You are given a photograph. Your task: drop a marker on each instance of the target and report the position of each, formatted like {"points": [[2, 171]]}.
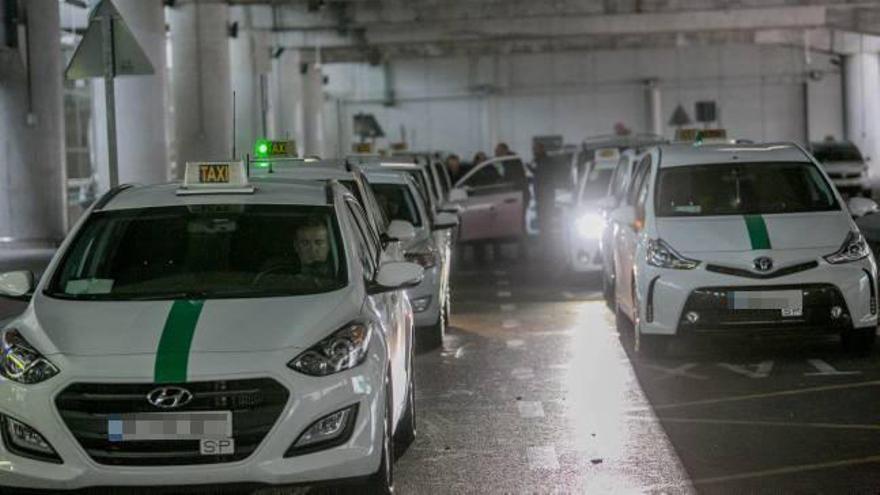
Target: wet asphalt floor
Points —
{"points": [[534, 391]]}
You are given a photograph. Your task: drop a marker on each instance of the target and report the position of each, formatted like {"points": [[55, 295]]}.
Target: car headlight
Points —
{"points": [[343, 350], [21, 362], [589, 225], [854, 248], [662, 255]]}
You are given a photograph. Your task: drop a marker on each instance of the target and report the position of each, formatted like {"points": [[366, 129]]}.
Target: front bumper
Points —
{"points": [[666, 296], [309, 398]]}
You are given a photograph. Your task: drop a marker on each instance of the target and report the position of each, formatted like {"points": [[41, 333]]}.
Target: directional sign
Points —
{"points": [[128, 57], [107, 50]]}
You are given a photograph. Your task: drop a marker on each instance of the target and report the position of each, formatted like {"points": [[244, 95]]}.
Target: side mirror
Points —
{"points": [[17, 285], [625, 215], [401, 230], [396, 275], [859, 207], [458, 195], [444, 221]]}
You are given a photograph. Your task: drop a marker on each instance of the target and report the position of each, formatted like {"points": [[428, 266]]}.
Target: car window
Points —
{"points": [[639, 174], [398, 202], [618, 181], [203, 252], [367, 252], [838, 152], [594, 184], [432, 185], [508, 175], [743, 189]]}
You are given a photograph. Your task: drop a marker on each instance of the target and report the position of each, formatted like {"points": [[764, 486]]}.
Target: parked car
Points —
{"points": [[210, 332], [845, 165]]}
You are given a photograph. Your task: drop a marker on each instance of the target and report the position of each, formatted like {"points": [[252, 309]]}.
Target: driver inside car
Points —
{"points": [[314, 267]]}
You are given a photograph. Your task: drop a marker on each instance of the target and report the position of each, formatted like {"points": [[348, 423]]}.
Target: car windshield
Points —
{"points": [[204, 252], [595, 184], [843, 152], [397, 202], [742, 189]]}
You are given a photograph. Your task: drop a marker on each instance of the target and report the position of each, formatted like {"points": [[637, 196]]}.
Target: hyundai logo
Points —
{"points": [[169, 397], [763, 264]]}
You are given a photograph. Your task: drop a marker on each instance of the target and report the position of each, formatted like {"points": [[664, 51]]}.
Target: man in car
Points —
{"points": [[453, 164], [313, 247], [502, 150]]}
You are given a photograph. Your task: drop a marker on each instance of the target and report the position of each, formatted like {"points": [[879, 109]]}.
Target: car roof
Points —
{"points": [[290, 192], [680, 154], [307, 172]]}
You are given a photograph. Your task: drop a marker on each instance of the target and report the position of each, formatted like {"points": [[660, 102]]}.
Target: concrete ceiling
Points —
{"points": [[377, 30]]}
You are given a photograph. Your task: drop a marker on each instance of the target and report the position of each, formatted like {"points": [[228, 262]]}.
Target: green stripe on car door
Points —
{"points": [[172, 357], [757, 232]]}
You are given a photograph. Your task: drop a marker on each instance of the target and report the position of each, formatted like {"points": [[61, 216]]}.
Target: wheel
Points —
{"points": [[431, 337], [382, 481], [859, 341], [652, 345], [608, 292], [406, 428]]}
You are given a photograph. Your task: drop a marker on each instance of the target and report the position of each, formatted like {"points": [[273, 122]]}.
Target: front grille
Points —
{"points": [[716, 314], [740, 272], [86, 408]]}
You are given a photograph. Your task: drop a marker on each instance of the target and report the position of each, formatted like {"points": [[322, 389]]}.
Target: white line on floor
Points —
{"points": [[511, 323], [523, 373], [515, 343], [825, 369], [543, 457], [503, 283], [762, 369], [530, 409], [504, 293], [568, 295], [508, 307]]}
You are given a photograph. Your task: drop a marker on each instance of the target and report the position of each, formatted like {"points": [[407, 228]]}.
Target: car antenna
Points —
{"points": [[233, 127]]}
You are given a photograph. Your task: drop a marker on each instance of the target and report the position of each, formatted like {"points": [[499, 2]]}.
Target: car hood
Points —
{"points": [[824, 231], [102, 328]]}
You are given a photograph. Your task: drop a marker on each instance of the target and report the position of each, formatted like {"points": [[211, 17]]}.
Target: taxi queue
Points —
{"points": [[256, 323]]}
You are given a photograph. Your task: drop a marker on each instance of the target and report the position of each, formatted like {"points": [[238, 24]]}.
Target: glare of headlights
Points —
{"points": [[589, 225]]}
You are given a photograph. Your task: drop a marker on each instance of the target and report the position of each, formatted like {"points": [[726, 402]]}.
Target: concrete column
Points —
{"points": [[286, 88], [313, 111], [32, 160], [862, 100], [201, 82], [141, 104], [249, 55], [655, 108]]}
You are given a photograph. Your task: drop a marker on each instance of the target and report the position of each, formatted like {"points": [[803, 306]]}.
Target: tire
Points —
{"points": [[382, 481], [608, 292], [859, 341], [652, 345], [406, 428], [430, 338]]}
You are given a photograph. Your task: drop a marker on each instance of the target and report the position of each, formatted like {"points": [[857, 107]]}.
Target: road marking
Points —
{"points": [[459, 352], [568, 295], [678, 371], [543, 457], [508, 307], [530, 409], [788, 470], [825, 369], [515, 343], [523, 373], [564, 366], [743, 422], [504, 293], [781, 393], [503, 283], [511, 323], [762, 369]]}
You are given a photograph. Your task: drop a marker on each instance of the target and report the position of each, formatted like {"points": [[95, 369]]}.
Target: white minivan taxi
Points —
{"points": [[210, 332], [740, 239]]}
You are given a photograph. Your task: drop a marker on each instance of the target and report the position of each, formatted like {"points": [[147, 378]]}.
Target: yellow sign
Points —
{"points": [[362, 147], [214, 173], [700, 134]]}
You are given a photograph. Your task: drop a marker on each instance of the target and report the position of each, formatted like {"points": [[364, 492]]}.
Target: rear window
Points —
{"points": [[742, 189], [843, 152]]}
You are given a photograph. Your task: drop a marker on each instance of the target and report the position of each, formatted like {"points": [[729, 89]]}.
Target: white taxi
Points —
{"points": [[740, 239], [208, 333], [585, 219]]}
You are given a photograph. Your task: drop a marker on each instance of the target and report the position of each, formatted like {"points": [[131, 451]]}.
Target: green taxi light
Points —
{"points": [[262, 148]]}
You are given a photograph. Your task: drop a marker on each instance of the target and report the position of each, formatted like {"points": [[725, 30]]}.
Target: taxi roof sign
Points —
{"points": [[215, 178], [701, 135], [267, 148]]}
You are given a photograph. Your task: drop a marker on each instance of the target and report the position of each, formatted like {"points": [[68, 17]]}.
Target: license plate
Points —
{"points": [[790, 303], [222, 446], [201, 425]]}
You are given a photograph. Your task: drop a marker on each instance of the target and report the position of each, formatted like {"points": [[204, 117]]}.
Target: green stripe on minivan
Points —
{"points": [[758, 235], [172, 357]]}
